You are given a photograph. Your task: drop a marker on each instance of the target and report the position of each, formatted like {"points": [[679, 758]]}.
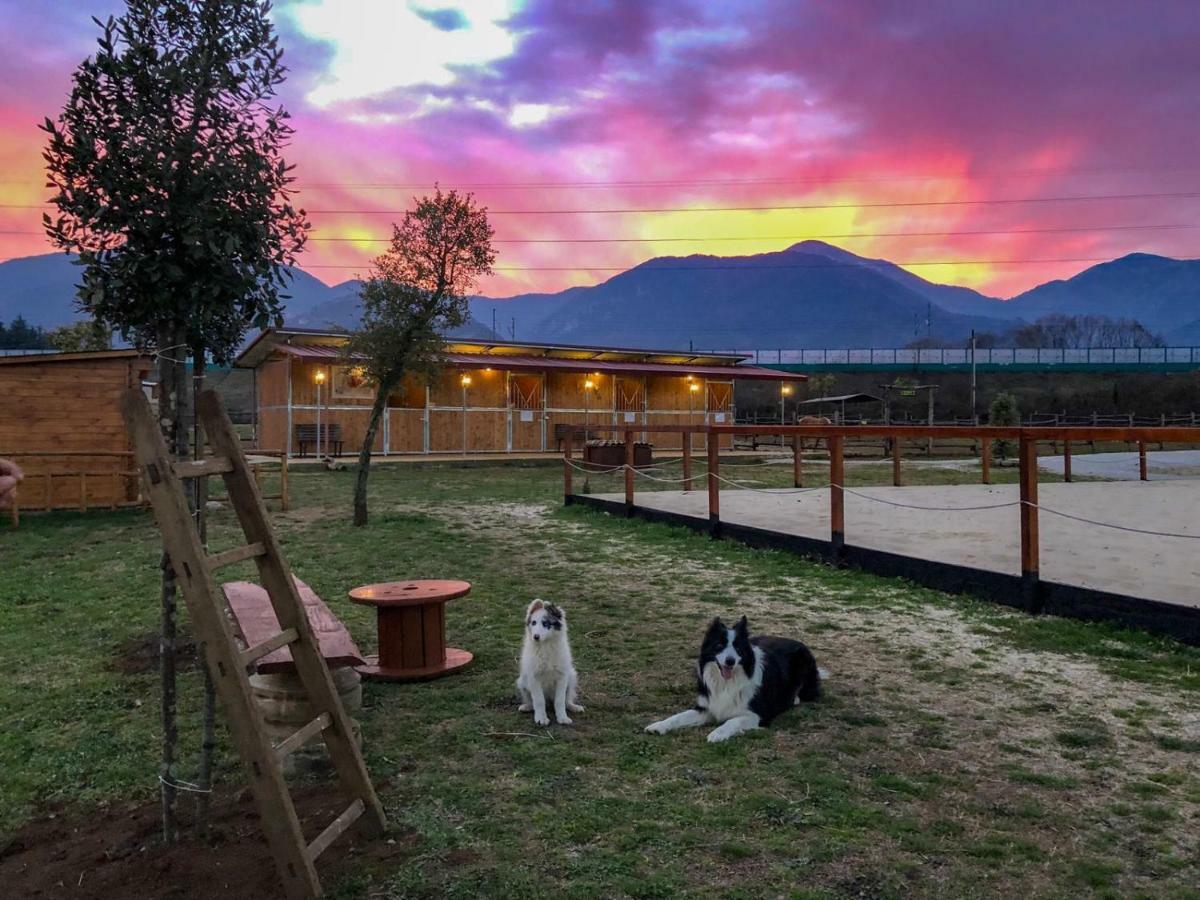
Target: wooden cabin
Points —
{"points": [[60, 420], [488, 396]]}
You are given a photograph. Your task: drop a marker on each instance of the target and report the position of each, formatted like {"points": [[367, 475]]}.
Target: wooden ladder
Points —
{"points": [[193, 566]]}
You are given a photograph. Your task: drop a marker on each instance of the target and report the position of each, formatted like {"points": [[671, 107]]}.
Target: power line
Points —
{"points": [[774, 208], [743, 268], [736, 182], [766, 237]]}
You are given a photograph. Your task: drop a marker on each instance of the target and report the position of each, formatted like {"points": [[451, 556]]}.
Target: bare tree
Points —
{"points": [[1061, 332]]}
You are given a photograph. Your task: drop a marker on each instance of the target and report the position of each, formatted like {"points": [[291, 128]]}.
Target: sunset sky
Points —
{"points": [[842, 110]]}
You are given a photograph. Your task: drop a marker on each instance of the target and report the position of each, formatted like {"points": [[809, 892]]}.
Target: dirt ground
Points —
{"points": [[117, 852]]}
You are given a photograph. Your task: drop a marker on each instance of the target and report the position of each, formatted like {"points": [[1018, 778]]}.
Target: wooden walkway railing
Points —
{"points": [[835, 436]]}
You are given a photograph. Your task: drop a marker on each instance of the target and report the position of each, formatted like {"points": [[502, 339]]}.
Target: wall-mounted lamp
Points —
{"points": [[785, 389], [465, 381], [589, 384], [694, 388], [319, 378]]}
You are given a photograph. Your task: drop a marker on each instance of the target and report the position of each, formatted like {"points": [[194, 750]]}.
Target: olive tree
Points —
{"points": [[171, 186], [417, 290]]}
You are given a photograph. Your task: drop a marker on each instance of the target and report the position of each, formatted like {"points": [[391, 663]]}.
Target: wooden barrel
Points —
{"points": [[285, 709]]}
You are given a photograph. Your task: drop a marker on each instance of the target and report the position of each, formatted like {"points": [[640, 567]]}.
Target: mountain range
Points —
{"points": [[812, 294]]}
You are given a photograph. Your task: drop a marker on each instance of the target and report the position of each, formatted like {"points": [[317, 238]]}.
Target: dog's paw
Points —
{"points": [[564, 720], [524, 707], [655, 728], [718, 735], [574, 707], [541, 719]]}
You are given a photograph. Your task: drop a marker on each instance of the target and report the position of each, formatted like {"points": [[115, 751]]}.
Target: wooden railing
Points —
{"points": [[46, 468], [835, 436]]}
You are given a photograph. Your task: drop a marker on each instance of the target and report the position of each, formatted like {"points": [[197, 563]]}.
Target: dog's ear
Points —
{"points": [[533, 607], [716, 625], [743, 626], [556, 612]]}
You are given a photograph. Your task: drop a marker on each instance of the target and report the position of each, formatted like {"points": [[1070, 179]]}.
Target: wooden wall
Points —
{"points": [[494, 408], [69, 406]]}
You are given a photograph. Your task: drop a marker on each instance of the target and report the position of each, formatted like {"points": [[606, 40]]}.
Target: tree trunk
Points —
{"points": [[171, 374], [200, 508], [364, 456]]}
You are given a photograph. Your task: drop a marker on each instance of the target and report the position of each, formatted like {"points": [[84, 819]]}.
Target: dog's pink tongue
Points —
{"points": [[726, 672]]}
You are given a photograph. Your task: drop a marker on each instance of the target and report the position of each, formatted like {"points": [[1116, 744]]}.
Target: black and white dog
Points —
{"points": [[744, 682], [547, 668]]}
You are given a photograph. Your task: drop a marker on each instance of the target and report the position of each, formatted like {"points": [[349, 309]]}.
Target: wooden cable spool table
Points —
{"points": [[411, 621]]}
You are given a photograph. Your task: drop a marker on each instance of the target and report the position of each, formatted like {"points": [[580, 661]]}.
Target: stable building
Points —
{"points": [[487, 396], [60, 419]]}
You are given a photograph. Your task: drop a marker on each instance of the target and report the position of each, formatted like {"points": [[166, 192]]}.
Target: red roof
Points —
{"points": [[543, 364], [514, 363]]}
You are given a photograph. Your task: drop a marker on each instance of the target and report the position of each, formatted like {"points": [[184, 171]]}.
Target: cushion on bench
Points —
{"points": [[255, 619]]}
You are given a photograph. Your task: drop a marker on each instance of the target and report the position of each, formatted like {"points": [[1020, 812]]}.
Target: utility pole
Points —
{"points": [[512, 329], [494, 331]]}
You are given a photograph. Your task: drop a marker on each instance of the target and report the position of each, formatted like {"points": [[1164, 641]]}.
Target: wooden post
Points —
{"points": [[285, 497], [714, 486], [1029, 523], [687, 461], [896, 463], [16, 510], [628, 473], [1066, 459], [49, 491], [797, 461], [837, 509], [568, 445], [1142, 474], [83, 491]]}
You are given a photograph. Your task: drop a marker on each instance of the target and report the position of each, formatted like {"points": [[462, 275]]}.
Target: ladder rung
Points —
{"points": [[258, 651], [335, 829], [236, 555], [301, 737], [215, 465]]}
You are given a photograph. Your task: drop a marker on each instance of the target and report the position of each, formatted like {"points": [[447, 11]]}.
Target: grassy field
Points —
{"points": [[961, 749]]}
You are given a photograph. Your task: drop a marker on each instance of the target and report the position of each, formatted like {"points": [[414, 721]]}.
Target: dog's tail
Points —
{"points": [[807, 676]]}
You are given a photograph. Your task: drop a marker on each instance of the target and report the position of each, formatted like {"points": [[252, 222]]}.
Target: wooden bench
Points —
{"points": [[331, 436], [256, 622], [581, 436]]}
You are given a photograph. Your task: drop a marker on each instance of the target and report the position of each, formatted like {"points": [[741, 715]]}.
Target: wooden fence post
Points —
{"points": [[1029, 524], [896, 463], [985, 459], [628, 473], [1066, 459], [687, 461], [285, 498], [837, 510], [1142, 474], [797, 461], [568, 445], [714, 486]]}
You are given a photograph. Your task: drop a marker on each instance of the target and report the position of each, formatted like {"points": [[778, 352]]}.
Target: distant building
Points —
{"points": [[490, 396]]}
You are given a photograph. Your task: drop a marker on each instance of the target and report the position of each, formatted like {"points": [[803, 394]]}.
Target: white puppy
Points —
{"points": [[547, 670]]}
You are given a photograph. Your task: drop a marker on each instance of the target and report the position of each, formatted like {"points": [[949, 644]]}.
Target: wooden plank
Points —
{"points": [[412, 636], [1029, 522], [252, 654], [236, 555], [797, 462], [257, 622], [199, 468], [335, 829], [433, 630], [1067, 460], [837, 509], [686, 446], [1142, 472], [213, 628], [896, 464], [299, 738], [276, 578], [985, 459]]}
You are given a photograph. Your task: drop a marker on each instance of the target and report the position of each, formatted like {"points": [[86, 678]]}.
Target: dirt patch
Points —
{"points": [[139, 655], [116, 852]]}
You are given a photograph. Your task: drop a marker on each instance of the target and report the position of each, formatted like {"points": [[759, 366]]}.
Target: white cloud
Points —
{"points": [[523, 114], [381, 45]]}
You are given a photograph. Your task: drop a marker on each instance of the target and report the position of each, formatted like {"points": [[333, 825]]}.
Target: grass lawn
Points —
{"points": [[961, 749]]}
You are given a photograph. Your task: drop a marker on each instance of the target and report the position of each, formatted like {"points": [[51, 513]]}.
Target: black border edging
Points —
{"points": [[1086, 604]]}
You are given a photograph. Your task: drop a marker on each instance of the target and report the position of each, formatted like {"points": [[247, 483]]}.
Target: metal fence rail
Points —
{"points": [[955, 356]]}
